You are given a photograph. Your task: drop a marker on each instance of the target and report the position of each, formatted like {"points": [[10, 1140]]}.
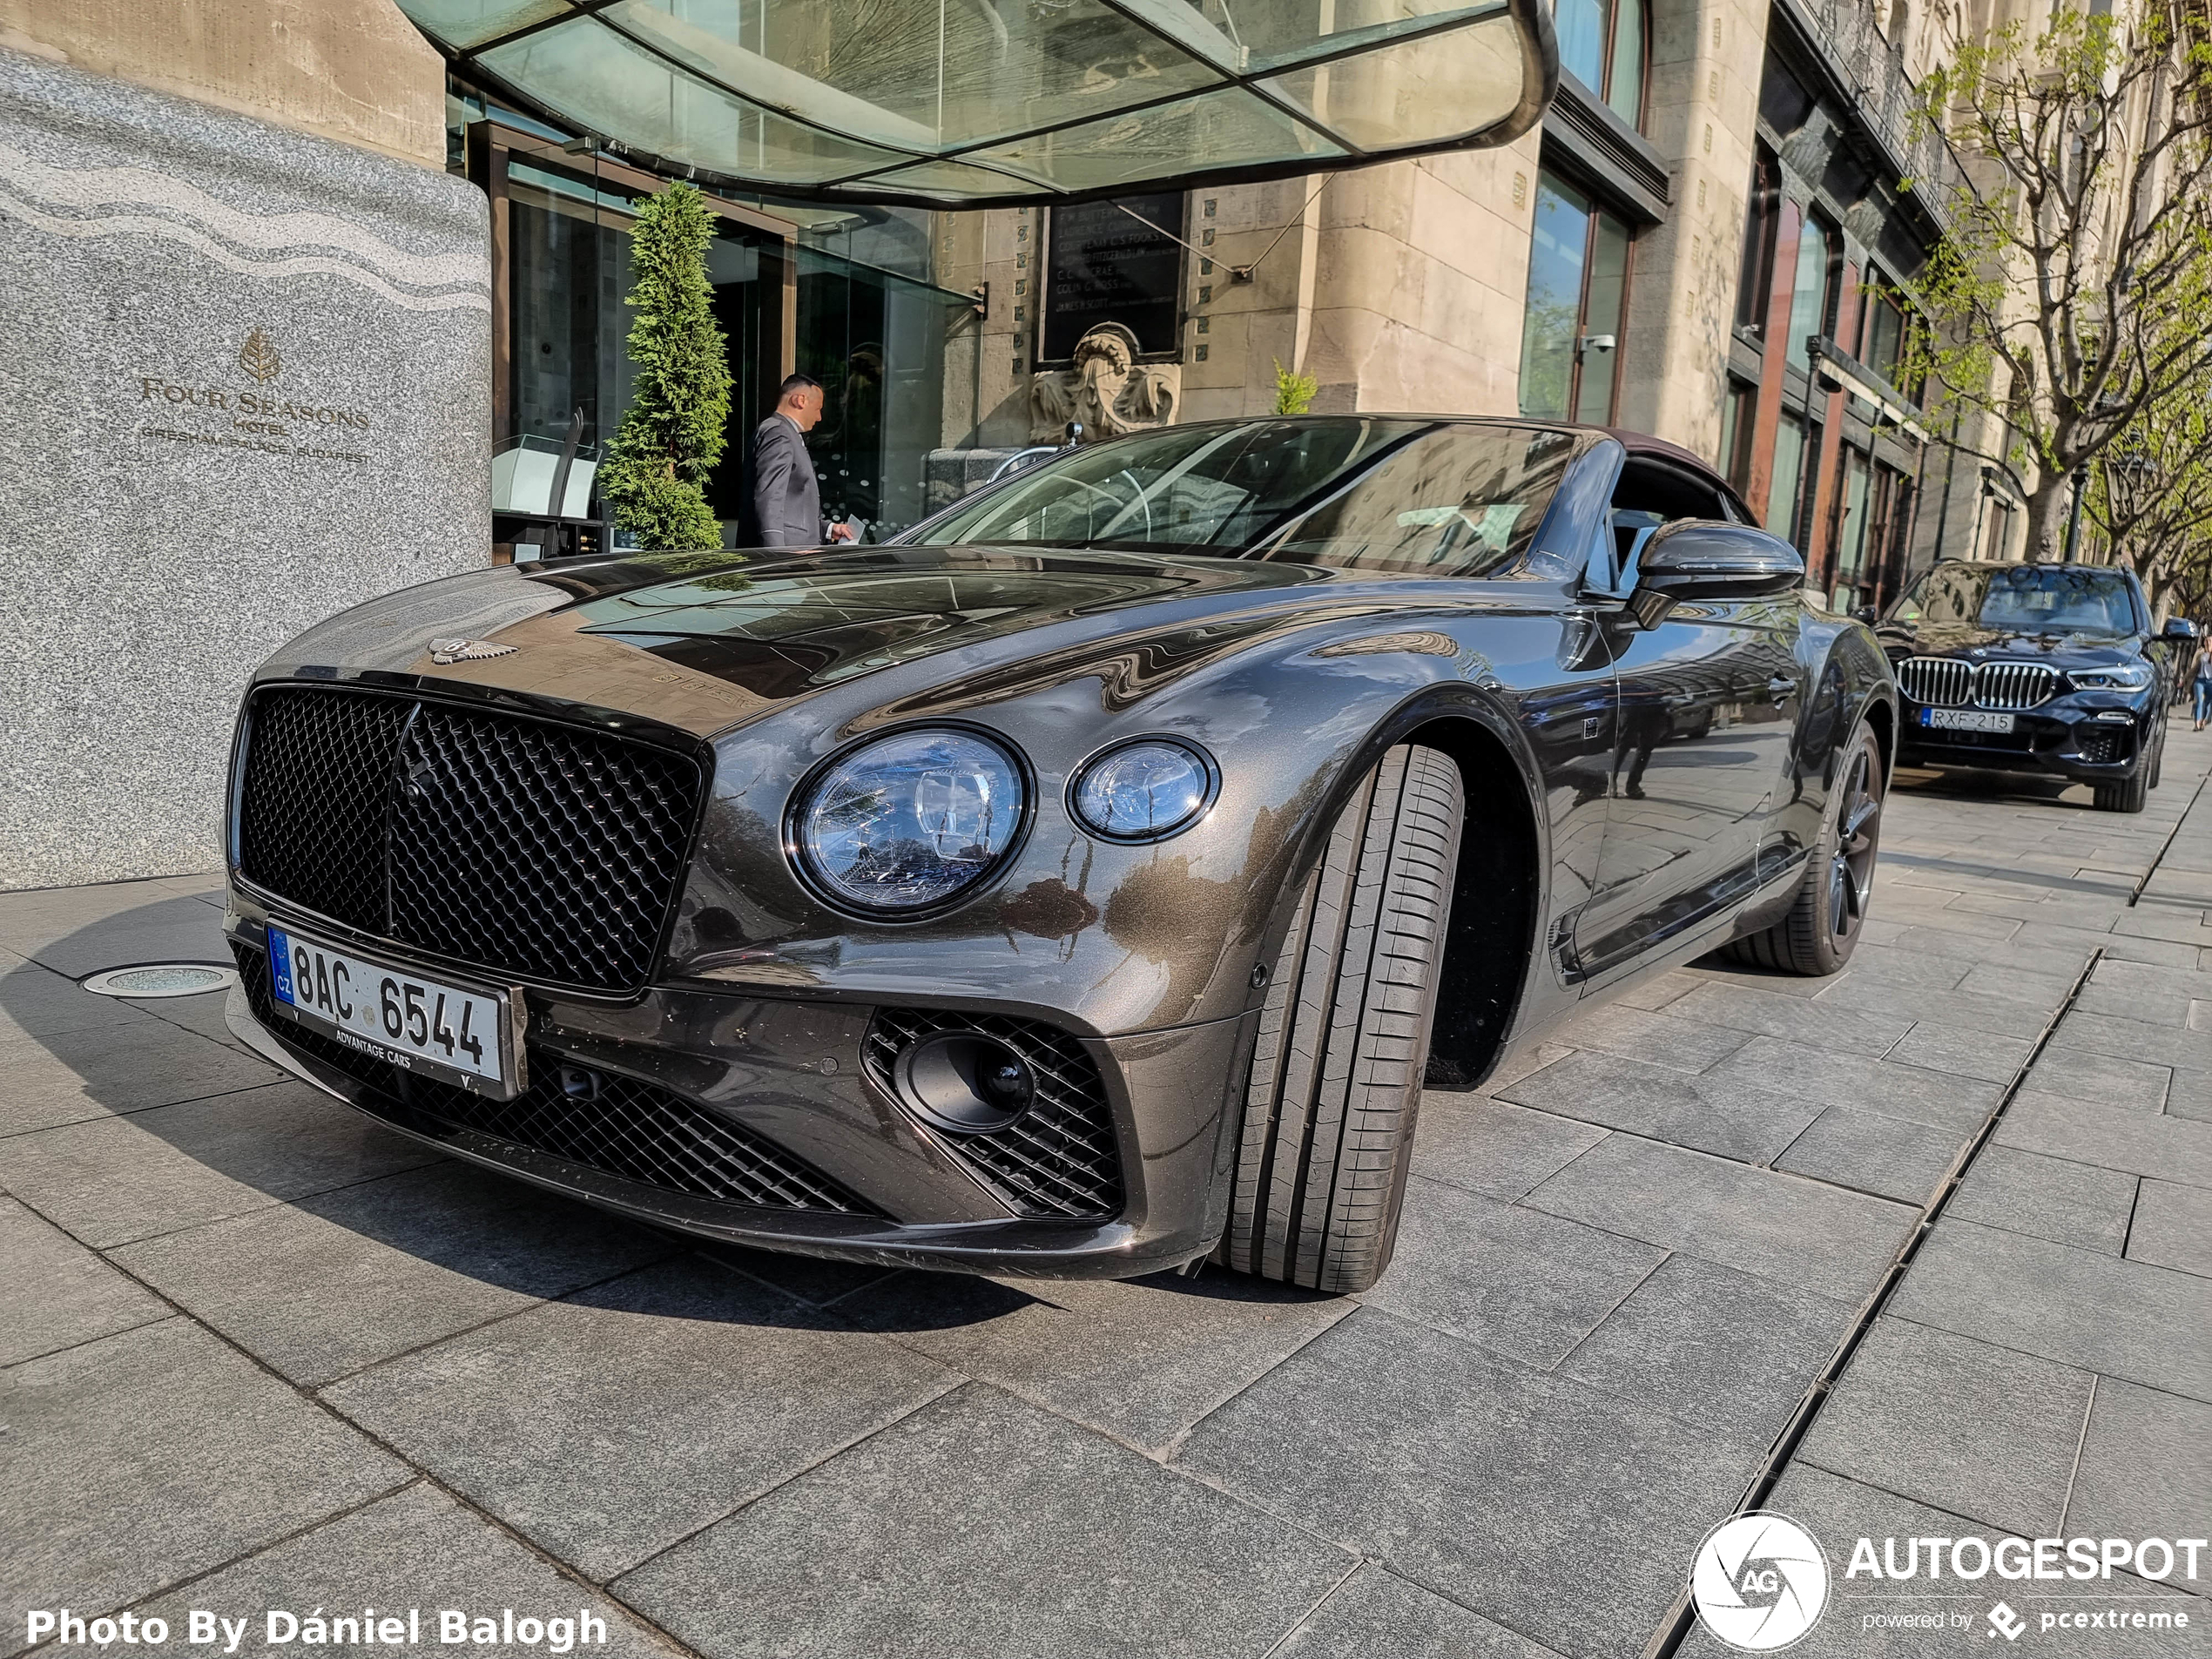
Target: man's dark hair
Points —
{"points": [[796, 384]]}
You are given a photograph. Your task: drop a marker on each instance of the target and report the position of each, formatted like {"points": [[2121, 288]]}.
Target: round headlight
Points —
{"points": [[910, 821], [1142, 790]]}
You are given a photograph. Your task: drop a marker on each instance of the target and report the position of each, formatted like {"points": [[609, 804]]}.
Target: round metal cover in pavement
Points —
{"points": [[162, 979]]}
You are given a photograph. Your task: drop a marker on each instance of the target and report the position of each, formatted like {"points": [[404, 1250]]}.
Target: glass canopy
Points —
{"points": [[961, 103]]}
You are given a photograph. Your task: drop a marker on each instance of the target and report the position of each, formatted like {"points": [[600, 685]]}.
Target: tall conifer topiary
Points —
{"points": [[673, 431]]}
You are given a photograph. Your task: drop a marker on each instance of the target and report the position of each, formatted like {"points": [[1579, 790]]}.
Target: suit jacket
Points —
{"points": [[786, 501]]}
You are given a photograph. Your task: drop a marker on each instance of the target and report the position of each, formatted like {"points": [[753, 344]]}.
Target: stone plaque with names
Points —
{"points": [[1102, 266]]}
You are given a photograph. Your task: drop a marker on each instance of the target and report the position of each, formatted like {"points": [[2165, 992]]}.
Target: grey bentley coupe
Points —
{"points": [[1086, 883]]}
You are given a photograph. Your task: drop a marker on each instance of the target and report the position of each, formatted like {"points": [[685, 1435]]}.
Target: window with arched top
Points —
{"points": [[1606, 44]]}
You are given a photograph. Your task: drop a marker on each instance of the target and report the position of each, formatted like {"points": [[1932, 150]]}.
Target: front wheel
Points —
{"points": [[1343, 1036], [2127, 795], [1822, 929]]}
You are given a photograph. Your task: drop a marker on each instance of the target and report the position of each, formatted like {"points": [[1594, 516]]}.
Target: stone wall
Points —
{"points": [[246, 375]]}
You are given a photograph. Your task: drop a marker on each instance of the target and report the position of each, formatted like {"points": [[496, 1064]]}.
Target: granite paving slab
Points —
{"points": [[2115, 1138], [415, 1549], [1869, 1151], [113, 1180], [149, 1456], [1801, 1233], [1718, 1348], [1963, 1050], [1658, 1039], [338, 1281], [1719, 1112], [2144, 1470], [84, 1073], [606, 1427], [1983, 1432], [2079, 1307], [1510, 1491], [1493, 1146], [1518, 1282], [1374, 1612], [1750, 1008], [36, 1001], [2109, 1080], [2047, 1198], [55, 1293], [1140, 1359], [1825, 1078], [2173, 1227], [990, 1529]]}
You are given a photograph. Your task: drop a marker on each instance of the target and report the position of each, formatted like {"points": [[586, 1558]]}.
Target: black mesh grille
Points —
{"points": [[629, 1129], [1059, 1158], [538, 851], [311, 818], [2102, 748]]}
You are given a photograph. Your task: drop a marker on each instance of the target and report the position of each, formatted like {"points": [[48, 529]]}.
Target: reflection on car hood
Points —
{"points": [[707, 641], [788, 626], [1964, 639]]}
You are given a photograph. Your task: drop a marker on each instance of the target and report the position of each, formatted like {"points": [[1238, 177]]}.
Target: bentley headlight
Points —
{"points": [[910, 821], [1142, 790], [2125, 676]]}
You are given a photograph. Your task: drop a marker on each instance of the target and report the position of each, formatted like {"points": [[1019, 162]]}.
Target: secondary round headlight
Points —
{"points": [[910, 821], [1142, 790]]}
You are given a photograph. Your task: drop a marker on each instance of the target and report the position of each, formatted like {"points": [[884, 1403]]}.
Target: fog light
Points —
{"points": [[965, 1084]]}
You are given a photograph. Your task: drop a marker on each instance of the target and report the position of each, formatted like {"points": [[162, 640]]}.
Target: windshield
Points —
{"points": [[2023, 598], [1416, 497]]}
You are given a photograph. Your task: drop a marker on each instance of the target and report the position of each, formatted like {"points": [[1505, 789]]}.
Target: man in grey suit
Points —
{"points": [[786, 501]]}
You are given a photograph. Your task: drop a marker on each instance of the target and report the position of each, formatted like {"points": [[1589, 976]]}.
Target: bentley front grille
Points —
{"points": [[1059, 1159], [1951, 683], [529, 849], [620, 1127]]}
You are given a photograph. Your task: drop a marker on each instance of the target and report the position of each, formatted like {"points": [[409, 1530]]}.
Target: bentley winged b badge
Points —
{"points": [[467, 651]]}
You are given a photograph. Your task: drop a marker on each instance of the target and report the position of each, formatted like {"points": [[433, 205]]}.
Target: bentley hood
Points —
{"points": [[704, 642]]}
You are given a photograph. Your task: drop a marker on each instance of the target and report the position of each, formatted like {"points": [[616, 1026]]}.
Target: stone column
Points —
{"points": [[246, 378], [1706, 62]]}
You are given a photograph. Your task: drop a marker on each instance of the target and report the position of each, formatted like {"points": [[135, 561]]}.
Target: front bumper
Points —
{"points": [[794, 1075], [2093, 737]]}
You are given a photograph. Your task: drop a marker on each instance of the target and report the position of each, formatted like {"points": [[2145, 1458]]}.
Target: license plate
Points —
{"points": [[1965, 720], [417, 1023]]}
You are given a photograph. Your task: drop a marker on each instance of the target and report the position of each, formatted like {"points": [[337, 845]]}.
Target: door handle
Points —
{"points": [[1781, 687]]}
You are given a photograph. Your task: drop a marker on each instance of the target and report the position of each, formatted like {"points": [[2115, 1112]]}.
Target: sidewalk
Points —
{"points": [[256, 1351]]}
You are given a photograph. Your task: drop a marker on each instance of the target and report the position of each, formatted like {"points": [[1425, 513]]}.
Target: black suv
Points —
{"points": [[2049, 668]]}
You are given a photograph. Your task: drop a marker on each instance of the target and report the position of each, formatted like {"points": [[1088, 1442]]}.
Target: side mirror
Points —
{"points": [[1704, 559], [1867, 614], [2178, 628]]}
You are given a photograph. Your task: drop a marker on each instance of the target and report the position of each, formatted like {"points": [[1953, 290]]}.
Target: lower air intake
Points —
{"points": [[1059, 1159]]}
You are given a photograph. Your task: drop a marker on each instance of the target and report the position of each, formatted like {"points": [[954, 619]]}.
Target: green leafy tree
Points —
{"points": [[673, 432], [1293, 391], [2066, 295]]}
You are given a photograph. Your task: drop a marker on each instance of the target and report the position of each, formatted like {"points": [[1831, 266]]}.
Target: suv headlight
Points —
{"points": [[909, 820], [2125, 676]]}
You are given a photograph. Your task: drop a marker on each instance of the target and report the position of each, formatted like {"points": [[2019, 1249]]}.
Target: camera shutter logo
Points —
{"points": [[259, 358], [1759, 1581]]}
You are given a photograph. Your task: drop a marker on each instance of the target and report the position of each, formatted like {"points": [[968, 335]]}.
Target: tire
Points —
{"points": [[2128, 795], [1344, 1034], [1821, 930], [2158, 756]]}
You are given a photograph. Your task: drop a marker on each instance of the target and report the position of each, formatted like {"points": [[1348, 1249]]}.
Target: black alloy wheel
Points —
{"points": [[1821, 928], [1858, 832]]}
